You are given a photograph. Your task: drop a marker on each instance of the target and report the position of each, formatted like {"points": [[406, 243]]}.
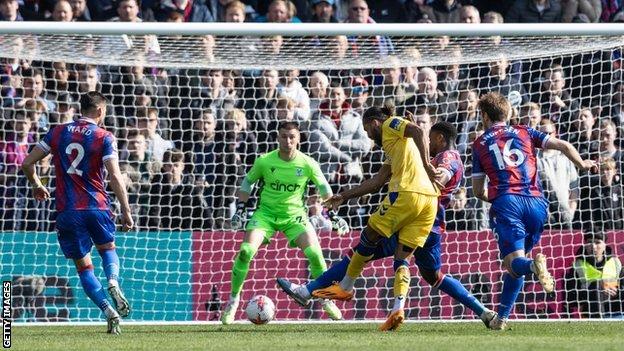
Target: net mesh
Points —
{"points": [[288, 52], [216, 102]]}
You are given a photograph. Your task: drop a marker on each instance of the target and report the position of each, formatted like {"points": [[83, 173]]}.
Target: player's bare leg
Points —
{"points": [[309, 244], [110, 261], [363, 252], [93, 288], [248, 248]]}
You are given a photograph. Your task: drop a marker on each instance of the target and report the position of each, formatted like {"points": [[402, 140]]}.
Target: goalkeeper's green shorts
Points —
{"points": [[291, 226]]}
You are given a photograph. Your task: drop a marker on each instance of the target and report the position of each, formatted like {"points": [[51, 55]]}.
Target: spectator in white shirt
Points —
{"points": [[560, 181], [291, 87], [317, 86], [147, 122]]}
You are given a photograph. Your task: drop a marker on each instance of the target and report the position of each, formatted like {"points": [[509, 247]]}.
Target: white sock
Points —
{"points": [[113, 282], [234, 299], [303, 292], [399, 303], [110, 312], [347, 283]]}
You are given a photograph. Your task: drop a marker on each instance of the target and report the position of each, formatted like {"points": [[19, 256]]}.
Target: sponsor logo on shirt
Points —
{"points": [[279, 186], [383, 209]]}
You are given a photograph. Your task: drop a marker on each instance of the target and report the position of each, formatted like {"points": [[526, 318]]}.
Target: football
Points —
{"points": [[260, 309]]}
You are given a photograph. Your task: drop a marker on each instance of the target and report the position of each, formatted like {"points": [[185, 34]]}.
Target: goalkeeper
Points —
{"points": [[285, 174]]}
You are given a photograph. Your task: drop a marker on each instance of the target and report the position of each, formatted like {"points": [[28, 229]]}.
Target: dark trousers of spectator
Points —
{"points": [[593, 302]]}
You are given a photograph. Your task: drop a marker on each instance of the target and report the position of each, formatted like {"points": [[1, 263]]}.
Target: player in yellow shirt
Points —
{"points": [[409, 209]]}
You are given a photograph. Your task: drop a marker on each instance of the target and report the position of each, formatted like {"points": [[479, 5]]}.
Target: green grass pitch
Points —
{"points": [[330, 337]]}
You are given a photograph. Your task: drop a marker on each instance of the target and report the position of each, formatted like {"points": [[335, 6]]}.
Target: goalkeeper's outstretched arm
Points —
{"points": [[245, 190], [243, 195], [318, 178], [339, 225], [254, 174]]}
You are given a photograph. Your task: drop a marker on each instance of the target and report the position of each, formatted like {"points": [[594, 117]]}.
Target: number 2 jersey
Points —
{"points": [[507, 155], [79, 150]]}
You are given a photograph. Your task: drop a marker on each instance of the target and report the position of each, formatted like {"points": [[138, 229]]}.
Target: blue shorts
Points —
{"points": [[427, 257], [386, 247], [517, 222], [78, 230]]}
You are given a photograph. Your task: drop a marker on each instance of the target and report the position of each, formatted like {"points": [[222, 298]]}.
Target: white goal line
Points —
{"points": [[295, 322]]}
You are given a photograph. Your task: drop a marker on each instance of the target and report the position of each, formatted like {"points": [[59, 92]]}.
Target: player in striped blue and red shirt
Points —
{"points": [[448, 162], [507, 156], [81, 150], [428, 258]]}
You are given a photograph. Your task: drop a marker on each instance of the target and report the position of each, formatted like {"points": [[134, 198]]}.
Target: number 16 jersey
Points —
{"points": [[507, 155], [79, 150]]}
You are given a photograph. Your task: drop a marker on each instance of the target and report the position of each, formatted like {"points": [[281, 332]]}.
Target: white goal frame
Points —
{"points": [[308, 29], [303, 29]]}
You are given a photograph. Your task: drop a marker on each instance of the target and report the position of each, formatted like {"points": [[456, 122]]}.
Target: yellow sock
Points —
{"points": [[401, 281], [356, 266]]}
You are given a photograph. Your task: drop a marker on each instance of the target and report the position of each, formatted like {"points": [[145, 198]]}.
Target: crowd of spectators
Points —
{"points": [[186, 136], [328, 11]]}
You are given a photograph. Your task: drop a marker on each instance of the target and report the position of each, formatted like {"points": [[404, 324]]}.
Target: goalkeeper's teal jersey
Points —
{"points": [[285, 182]]}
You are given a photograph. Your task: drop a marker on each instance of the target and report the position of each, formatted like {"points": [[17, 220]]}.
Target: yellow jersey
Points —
{"points": [[408, 171]]}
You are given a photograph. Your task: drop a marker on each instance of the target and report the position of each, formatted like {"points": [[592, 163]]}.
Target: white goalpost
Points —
{"points": [[212, 94]]}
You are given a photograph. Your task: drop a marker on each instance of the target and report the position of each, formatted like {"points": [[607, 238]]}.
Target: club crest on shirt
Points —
{"points": [[299, 172], [395, 124]]}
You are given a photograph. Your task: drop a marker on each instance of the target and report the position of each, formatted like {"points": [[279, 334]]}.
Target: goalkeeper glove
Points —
{"points": [[338, 223], [237, 220]]}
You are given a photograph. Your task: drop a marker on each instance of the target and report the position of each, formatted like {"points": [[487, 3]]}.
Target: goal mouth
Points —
{"points": [[216, 92]]}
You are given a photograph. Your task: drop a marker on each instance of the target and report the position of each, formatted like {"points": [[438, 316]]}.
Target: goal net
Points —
{"points": [[191, 112]]}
